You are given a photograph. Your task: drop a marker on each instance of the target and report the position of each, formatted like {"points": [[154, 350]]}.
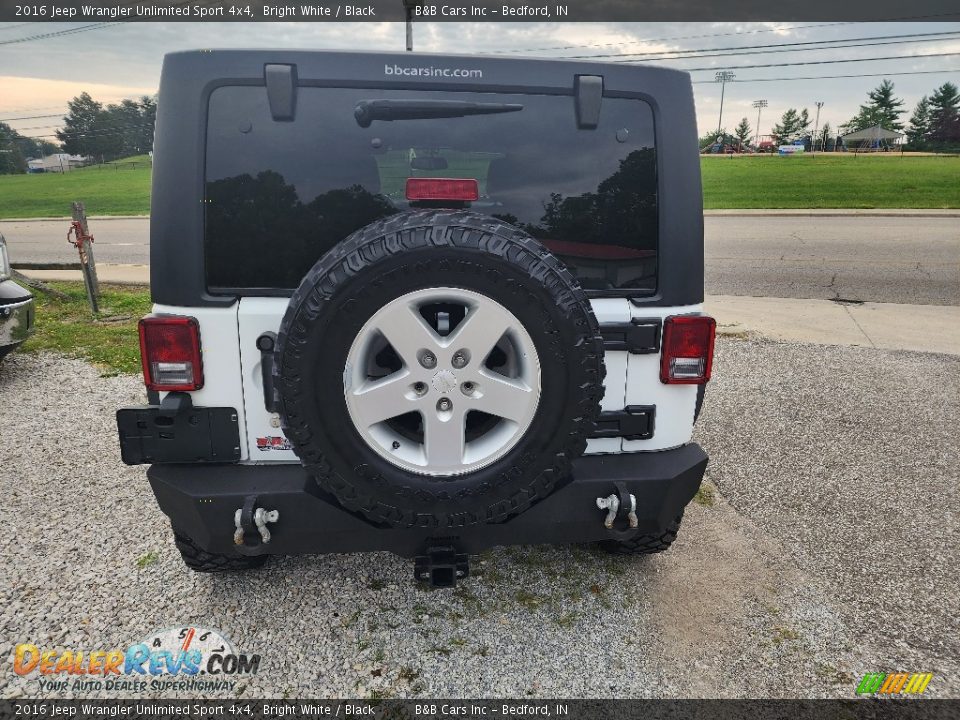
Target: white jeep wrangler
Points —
{"points": [[425, 312]]}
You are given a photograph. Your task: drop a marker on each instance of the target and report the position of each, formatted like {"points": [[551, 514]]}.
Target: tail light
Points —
{"points": [[170, 353], [442, 189], [687, 349]]}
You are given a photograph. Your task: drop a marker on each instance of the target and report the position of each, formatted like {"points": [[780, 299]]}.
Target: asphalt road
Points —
{"points": [[913, 260]]}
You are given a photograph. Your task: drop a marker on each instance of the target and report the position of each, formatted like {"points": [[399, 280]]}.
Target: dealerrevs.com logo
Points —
{"points": [[181, 658], [431, 72]]}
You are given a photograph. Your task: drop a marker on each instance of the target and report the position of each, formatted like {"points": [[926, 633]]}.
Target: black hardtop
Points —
{"points": [[188, 79]]}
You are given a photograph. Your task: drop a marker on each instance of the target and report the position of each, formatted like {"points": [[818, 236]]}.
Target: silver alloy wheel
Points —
{"points": [[446, 395]]}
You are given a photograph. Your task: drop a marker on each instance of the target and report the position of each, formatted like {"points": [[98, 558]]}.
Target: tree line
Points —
{"points": [[90, 129], [15, 149], [934, 124]]}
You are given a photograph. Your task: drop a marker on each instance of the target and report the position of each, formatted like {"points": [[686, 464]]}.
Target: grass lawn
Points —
{"points": [[766, 181], [113, 189], [831, 181], [109, 341]]}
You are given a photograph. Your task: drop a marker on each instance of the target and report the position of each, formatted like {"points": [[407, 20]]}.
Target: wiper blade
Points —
{"points": [[367, 111]]}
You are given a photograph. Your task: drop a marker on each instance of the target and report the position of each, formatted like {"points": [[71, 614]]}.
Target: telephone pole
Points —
{"points": [[816, 127], [759, 105], [722, 77], [408, 6]]}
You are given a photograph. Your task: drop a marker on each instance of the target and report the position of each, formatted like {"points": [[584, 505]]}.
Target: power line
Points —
{"points": [[814, 62], [32, 117], [788, 47], [73, 134], [58, 33], [96, 26], [755, 31], [675, 37], [835, 77]]}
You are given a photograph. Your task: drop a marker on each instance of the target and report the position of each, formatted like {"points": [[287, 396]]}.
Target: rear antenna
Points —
{"points": [[408, 6]]}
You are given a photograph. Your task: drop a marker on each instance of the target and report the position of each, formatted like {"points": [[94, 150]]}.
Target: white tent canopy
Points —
{"points": [[875, 132]]}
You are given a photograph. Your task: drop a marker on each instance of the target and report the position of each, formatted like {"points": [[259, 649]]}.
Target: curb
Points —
{"points": [[68, 218], [835, 212]]}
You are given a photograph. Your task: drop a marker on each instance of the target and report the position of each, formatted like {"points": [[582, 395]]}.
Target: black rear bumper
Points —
{"points": [[201, 501]]}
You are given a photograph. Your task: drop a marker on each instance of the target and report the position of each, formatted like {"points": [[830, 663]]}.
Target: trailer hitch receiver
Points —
{"points": [[441, 566]]}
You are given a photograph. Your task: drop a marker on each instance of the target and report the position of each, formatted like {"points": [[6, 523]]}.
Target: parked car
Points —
{"points": [[16, 307], [429, 305]]}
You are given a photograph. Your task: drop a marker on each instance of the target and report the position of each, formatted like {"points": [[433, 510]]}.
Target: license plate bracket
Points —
{"points": [[148, 434]]}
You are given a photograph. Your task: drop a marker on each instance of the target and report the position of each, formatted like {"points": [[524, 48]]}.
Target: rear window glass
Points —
{"points": [[281, 194]]}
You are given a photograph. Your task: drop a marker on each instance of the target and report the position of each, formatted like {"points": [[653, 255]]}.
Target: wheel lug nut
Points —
{"points": [[428, 360], [460, 359], [419, 388], [468, 388], [444, 405]]}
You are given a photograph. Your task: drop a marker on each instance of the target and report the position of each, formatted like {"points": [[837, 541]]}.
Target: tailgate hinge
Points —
{"points": [[634, 422], [640, 336]]}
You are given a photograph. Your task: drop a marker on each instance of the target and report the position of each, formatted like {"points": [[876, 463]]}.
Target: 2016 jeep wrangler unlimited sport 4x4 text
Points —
{"points": [[425, 313]]}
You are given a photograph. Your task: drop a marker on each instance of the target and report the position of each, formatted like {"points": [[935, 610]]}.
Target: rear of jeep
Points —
{"points": [[424, 304]]}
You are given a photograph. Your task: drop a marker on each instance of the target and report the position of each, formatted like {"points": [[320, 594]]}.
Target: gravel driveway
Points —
{"points": [[829, 551]]}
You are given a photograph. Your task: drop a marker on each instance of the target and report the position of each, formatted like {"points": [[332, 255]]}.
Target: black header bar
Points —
{"points": [[504, 709], [475, 10]]}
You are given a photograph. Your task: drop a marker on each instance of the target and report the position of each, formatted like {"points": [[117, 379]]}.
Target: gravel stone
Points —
{"points": [[829, 552]]}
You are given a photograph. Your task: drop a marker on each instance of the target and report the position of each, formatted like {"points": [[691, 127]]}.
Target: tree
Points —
{"points": [[16, 149], [11, 157], [944, 115], [919, 123], [792, 126], [743, 131], [881, 108], [109, 132]]}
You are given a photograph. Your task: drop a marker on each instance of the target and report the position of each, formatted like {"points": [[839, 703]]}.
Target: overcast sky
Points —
{"points": [[123, 60]]}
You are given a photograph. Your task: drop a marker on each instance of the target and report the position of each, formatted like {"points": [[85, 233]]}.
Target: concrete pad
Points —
{"points": [[927, 328], [923, 328], [816, 321]]}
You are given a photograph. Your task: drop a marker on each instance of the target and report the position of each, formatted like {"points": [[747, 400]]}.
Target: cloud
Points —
{"points": [[125, 58]]}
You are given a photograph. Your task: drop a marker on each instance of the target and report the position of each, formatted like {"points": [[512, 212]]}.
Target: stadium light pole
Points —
{"points": [[759, 105], [816, 127], [722, 77]]}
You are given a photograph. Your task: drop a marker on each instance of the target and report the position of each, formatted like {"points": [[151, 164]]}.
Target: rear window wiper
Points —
{"points": [[367, 111]]}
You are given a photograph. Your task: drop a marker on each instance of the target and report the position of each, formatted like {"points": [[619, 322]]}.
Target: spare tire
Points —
{"points": [[439, 369]]}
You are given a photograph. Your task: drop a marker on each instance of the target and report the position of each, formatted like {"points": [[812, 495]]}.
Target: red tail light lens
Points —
{"points": [[170, 353], [687, 357], [442, 189]]}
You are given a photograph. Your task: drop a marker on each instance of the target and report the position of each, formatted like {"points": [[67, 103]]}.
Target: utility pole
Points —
{"points": [[722, 77], [816, 127], [408, 6], [759, 105]]}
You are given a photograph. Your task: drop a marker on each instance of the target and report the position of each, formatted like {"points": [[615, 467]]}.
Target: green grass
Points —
{"points": [[109, 341], [104, 190], [766, 181], [831, 181], [147, 559]]}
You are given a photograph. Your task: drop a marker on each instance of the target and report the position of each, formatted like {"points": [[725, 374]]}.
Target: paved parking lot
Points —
{"points": [[829, 550]]}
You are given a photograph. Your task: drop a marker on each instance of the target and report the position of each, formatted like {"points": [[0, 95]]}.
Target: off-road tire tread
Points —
{"points": [[422, 229], [645, 544], [200, 560]]}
